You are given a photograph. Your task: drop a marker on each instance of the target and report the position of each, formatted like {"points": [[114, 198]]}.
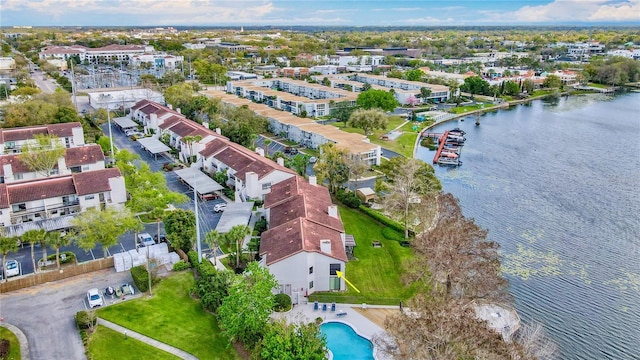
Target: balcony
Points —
{"points": [[41, 213]]}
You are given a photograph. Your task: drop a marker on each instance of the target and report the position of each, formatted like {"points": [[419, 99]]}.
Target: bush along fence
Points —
{"points": [[385, 220]]}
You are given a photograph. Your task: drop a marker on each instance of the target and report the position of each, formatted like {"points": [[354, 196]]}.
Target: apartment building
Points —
{"points": [[403, 89], [68, 134], [109, 53]]}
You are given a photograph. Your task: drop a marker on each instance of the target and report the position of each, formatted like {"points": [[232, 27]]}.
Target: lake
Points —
{"points": [[557, 184]]}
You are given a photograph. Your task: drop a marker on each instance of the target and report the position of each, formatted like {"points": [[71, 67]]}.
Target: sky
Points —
{"points": [[317, 12]]}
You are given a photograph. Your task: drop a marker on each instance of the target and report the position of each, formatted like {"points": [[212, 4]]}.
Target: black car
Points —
{"points": [[290, 150], [163, 238]]}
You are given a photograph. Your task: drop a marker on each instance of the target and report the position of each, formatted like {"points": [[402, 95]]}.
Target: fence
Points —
{"points": [[54, 275]]}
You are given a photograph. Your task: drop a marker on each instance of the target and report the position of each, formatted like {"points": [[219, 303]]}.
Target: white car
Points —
{"points": [[219, 207], [12, 268], [94, 299], [144, 239], [313, 160]]}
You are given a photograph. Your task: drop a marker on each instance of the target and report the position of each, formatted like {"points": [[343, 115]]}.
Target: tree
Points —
{"points": [[7, 245], [332, 166], [458, 256], [407, 181], [56, 240], [475, 85], [213, 287], [299, 163], [180, 226], [102, 227], [32, 237], [179, 95], [511, 88], [368, 120], [552, 81], [41, 154], [236, 236], [425, 92], [209, 72], [266, 142], [528, 85], [213, 239], [373, 98], [243, 314], [242, 125], [357, 167], [437, 329], [284, 341], [414, 75], [342, 111]]}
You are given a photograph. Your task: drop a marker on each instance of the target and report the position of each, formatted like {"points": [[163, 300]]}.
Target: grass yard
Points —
{"points": [[599, 86], [173, 317], [402, 145], [376, 272], [107, 344], [468, 108], [14, 345]]}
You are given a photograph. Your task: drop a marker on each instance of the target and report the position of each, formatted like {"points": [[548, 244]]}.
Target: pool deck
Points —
{"points": [[363, 326]]}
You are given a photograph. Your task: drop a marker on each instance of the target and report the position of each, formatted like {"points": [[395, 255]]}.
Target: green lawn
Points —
{"points": [[464, 109], [14, 345], [376, 272], [107, 344], [599, 86], [402, 145], [173, 317]]}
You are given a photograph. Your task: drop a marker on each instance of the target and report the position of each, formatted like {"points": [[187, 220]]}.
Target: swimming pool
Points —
{"points": [[345, 343]]}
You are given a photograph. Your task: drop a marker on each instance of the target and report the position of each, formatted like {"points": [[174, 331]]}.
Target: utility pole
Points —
{"points": [[195, 202], [73, 85]]}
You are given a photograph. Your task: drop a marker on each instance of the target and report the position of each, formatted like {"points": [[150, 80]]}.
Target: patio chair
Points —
{"points": [[324, 307], [315, 306], [333, 307], [341, 313]]}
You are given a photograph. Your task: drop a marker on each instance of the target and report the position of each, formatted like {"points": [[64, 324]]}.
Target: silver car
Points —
{"points": [[94, 299]]}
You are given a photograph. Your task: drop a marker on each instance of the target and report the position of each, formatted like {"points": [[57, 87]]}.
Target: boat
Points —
{"points": [[458, 138], [449, 155], [457, 131], [443, 160]]}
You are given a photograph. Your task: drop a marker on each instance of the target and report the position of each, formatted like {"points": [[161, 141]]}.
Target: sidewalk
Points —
{"points": [[145, 339]]}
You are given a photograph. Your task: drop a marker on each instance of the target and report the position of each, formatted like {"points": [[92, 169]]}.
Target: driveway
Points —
{"points": [[45, 313]]}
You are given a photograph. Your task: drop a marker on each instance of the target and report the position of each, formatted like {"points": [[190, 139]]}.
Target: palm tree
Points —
{"points": [[33, 237], [267, 142], [7, 244], [236, 235], [56, 240], [212, 239]]}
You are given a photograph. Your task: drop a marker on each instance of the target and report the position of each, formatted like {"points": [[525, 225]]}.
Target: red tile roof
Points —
{"points": [[295, 236], [92, 182], [4, 196], [84, 155], [40, 189], [28, 132]]}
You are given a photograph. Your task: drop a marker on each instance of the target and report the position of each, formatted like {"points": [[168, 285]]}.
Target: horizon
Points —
{"points": [[310, 13]]}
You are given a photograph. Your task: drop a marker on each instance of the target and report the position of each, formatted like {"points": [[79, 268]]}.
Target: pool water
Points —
{"points": [[345, 344]]}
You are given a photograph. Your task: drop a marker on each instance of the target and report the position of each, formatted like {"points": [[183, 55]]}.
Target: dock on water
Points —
{"points": [[449, 145]]}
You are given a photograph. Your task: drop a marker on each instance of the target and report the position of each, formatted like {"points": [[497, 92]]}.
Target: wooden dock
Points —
{"points": [[441, 141]]}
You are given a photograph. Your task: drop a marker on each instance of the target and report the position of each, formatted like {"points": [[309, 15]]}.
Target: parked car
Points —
{"points": [[290, 150], [94, 299], [219, 207], [144, 239], [313, 160], [163, 238], [11, 268]]}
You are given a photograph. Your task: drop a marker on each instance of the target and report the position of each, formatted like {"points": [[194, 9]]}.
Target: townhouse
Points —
{"points": [[250, 174], [305, 131], [68, 134], [305, 245]]}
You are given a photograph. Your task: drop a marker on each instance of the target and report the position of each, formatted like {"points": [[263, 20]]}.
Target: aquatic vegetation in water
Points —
{"points": [[629, 281], [532, 235], [579, 271], [528, 262]]}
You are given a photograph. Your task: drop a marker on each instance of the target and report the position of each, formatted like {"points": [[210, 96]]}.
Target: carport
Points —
{"points": [[55, 224], [235, 214], [153, 146], [124, 123], [196, 179]]}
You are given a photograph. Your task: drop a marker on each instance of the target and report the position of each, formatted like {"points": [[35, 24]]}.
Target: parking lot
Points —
{"points": [[45, 313]]}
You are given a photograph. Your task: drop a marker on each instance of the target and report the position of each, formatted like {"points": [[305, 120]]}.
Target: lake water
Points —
{"points": [[557, 184]]}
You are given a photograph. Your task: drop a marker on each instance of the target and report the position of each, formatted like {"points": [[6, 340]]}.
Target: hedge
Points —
{"points": [[385, 220], [349, 198], [282, 302], [140, 277], [203, 268], [181, 265]]}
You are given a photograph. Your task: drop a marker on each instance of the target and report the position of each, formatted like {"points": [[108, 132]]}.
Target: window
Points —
{"points": [[333, 269], [310, 270], [89, 197], [85, 167], [19, 207], [266, 186], [17, 176], [310, 284]]}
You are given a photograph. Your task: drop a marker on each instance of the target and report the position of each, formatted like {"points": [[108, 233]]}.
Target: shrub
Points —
{"points": [[261, 225], [181, 265], [391, 234], [85, 320], [230, 193], [204, 268], [282, 302], [349, 198], [140, 277], [385, 220], [84, 337], [70, 257], [212, 289]]}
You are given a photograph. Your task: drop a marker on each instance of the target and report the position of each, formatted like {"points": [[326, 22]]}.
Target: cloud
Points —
{"points": [[577, 11]]}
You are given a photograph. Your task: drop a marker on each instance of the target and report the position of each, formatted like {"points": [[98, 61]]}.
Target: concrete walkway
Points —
{"points": [[22, 339], [145, 339]]}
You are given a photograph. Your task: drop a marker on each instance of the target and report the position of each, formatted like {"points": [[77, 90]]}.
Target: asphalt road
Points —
{"points": [[45, 313], [45, 83]]}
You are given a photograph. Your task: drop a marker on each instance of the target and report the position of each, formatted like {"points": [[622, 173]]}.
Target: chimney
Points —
{"points": [[218, 131], [325, 246], [280, 161], [170, 106], [313, 181], [178, 111], [333, 211], [260, 151], [205, 124]]}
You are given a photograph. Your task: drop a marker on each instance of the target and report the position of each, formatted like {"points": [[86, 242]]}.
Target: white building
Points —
{"points": [[304, 247], [122, 99], [157, 60], [7, 63], [109, 53], [69, 135]]}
